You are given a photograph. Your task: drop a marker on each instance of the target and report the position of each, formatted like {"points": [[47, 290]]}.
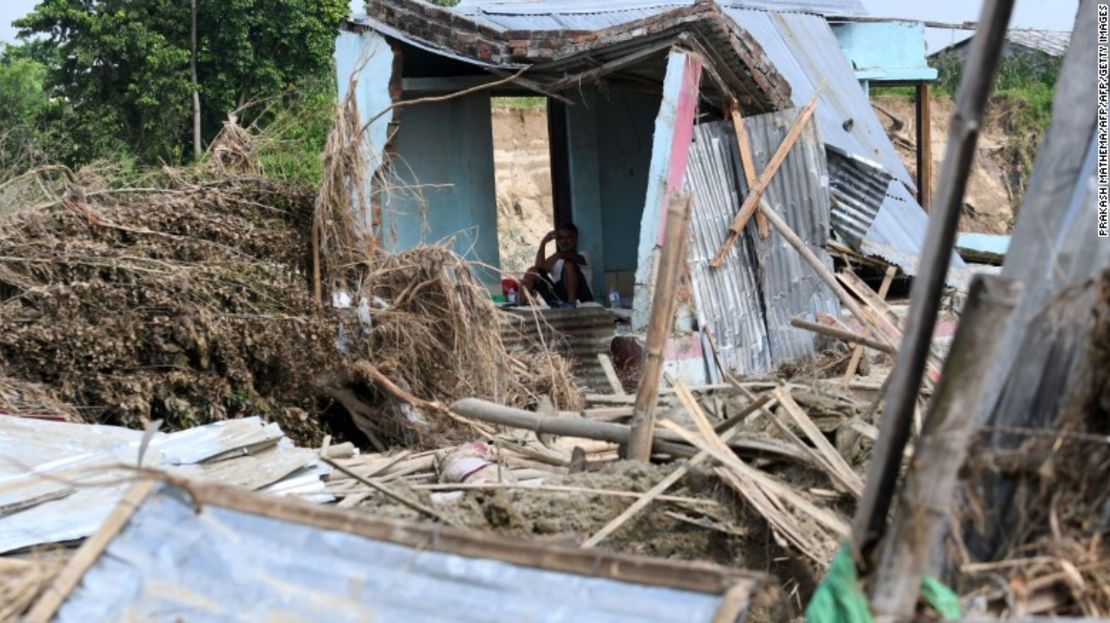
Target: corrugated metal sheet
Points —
{"points": [[589, 15], [799, 193], [898, 233], [805, 51], [749, 301], [728, 299], [53, 511], [858, 189], [170, 563], [580, 334], [1051, 42]]}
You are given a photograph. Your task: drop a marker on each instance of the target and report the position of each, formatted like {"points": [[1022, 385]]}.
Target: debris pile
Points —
{"points": [[189, 301]]}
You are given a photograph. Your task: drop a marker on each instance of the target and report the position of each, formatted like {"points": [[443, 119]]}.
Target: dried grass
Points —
{"points": [[1058, 559], [21, 583], [187, 296]]}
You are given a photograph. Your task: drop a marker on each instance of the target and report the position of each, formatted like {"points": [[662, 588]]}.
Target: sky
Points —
{"points": [[1047, 14]]}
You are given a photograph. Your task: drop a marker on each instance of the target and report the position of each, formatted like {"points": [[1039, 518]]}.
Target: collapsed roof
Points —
{"points": [[770, 55]]}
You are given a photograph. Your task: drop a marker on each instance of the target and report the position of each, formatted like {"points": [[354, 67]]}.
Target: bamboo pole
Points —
{"points": [[929, 491], [842, 335], [662, 313], [910, 363], [662, 441]]}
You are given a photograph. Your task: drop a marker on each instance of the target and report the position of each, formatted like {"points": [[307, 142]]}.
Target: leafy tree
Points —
{"points": [[122, 66], [22, 104]]}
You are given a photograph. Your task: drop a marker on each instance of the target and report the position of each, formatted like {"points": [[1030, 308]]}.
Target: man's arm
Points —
{"points": [[541, 253]]}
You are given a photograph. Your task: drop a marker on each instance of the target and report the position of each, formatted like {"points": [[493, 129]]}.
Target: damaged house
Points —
{"points": [[643, 100]]}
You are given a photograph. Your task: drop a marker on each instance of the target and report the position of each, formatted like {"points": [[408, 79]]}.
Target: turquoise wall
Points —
{"points": [[442, 181], [885, 51], [610, 138]]}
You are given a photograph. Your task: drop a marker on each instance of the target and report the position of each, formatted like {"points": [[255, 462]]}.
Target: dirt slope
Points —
{"points": [[524, 202], [997, 177]]}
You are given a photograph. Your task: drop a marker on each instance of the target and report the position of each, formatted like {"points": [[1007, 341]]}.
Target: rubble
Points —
{"points": [[471, 477]]}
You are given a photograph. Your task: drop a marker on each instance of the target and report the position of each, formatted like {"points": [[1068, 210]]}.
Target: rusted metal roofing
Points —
{"points": [[593, 15], [747, 303]]}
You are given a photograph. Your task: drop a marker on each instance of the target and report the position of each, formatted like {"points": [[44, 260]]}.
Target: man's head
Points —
{"points": [[566, 237]]}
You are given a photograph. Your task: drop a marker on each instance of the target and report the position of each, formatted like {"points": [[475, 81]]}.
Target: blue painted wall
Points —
{"points": [[882, 51], [371, 56], [627, 120], [610, 139], [442, 180]]}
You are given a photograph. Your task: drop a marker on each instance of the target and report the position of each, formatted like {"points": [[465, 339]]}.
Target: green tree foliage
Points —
{"points": [[121, 67], [23, 101], [1027, 78]]}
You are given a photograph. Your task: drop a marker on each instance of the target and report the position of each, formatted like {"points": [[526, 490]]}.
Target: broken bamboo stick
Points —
{"points": [[913, 354], [483, 486], [841, 334], [662, 312], [391, 494], [857, 352], [611, 375], [755, 192], [835, 465]]}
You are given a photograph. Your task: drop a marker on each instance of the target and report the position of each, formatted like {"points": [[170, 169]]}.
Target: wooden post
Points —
{"points": [[659, 327], [746, 161], [842, 335], [905, 382], [929, 491], [196, 87], [924, 147]]}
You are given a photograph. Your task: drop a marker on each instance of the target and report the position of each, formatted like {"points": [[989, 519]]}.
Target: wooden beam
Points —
{"points": [[930, 489], [659, 328], [747, 162], [928, 286], [924, 147], [755, 191]]}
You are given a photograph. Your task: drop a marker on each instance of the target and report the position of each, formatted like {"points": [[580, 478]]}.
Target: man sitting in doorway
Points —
{"points": [[558, 278]]}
